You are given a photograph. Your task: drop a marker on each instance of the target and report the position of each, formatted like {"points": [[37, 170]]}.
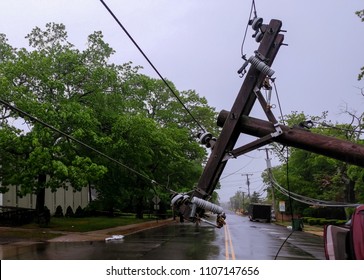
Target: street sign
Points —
{"points": [[282, 206], [156, 199]]}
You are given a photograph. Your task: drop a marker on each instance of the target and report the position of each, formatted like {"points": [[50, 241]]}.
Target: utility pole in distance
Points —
{"points": [[269, 168], [247, 181]]}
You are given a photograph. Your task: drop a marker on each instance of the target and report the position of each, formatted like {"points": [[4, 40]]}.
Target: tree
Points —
{"points": [[112, 108], [152, 98], [239, 202], [46, 84]]}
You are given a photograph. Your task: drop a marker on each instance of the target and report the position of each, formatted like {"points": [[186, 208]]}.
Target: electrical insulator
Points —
{"points": [[259, 36], [261, 66], [179, 199], [216, 209], [207, 139], [257, 23]]}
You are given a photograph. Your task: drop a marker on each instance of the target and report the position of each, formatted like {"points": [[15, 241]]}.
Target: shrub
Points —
{"points": [[325, 212], [44, 217], [313, 221], [340, 222], [59, 212], [309, 212], [69, 212], [79, 212]]}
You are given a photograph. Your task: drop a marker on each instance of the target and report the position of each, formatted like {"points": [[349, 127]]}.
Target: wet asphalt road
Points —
{"points": [[240, 239]]}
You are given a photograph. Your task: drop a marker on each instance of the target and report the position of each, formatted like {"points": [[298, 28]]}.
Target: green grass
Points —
{"points": [[32, 235], [33, 232], [87, 223], [306, 227]]}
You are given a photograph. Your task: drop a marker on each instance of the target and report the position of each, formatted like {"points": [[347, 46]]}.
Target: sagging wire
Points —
{"points": [[152, 65], [284, 242], [228, 175], [330, 126], [309, 200], [252, 8], [22, 113], [278, 100]]}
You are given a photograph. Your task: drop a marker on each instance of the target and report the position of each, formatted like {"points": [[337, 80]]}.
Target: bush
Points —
{"points": [[340, 222], [44, 217], [313, 221], [79, 212], [93, 208], [59, 212], [69, 212], [337, 213], [309, 212]]}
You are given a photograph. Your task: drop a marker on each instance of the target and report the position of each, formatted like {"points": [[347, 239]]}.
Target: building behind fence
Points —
{"points": [[61, 197]]}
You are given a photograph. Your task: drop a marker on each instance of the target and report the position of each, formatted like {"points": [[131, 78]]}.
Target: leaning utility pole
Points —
{"points": [[237, 121], [243, 104], [271, 41]]}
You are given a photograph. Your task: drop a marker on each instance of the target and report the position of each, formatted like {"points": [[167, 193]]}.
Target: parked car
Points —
{"points": [[346, 242]]}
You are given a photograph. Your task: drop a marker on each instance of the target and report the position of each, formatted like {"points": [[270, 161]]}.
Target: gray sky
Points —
{"points": [[197, 45]]}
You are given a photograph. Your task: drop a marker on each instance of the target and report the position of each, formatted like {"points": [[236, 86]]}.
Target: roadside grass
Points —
{"points": [[30, 235], [306, 227], [59, 226], [85, 224]]}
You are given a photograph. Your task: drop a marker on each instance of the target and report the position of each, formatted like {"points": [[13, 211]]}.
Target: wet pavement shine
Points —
{"points": [[240, 239]]}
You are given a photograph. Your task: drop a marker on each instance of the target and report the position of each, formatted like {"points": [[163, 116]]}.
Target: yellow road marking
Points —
{"points": [[229, 244], [226, 244]]}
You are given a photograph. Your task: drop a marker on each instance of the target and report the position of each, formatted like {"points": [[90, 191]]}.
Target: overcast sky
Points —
{"points": [[197, 45]]}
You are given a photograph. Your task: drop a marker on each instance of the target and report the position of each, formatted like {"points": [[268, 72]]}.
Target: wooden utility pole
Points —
{"points": [[247, 182], [243, 104], [254, 78], [269, 168], [299, 138]]}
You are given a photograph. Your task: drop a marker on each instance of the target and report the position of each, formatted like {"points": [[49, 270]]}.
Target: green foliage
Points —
{"points": [[128, 116]]}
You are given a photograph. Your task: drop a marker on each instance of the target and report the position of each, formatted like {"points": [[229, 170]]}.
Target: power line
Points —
{"points": [[309, 200], [278, 100], [252, 7], [330, 126], [152, 65]]}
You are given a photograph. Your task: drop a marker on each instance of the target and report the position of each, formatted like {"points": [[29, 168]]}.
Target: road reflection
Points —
{"points": [[174, 242], [241, 240]]}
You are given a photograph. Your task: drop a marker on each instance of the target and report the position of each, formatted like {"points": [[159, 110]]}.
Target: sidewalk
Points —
{"points": [[99, 235], [64, 236], [316, 230]]}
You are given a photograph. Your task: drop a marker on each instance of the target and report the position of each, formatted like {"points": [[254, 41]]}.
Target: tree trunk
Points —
{"points": [[350, 192], [139, 207], [89, 193], [40, 202]]}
